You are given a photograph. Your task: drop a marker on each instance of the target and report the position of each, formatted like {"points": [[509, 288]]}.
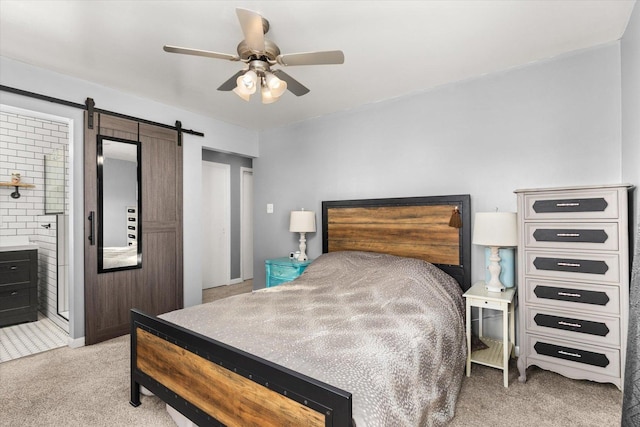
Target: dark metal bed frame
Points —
{"points": [[172, 361]]}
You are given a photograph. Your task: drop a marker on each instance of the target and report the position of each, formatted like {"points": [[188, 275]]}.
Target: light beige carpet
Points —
{"points": [[89, 386]]}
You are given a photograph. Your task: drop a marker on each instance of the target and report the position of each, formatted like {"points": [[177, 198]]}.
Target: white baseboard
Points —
{"points": [[76, 342]]}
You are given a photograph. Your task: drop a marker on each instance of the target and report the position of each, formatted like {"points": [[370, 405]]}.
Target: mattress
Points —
{"points": [[388, 329]]}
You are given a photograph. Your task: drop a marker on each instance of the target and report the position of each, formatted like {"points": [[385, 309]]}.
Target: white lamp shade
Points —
{"points": [[495, 229], [302, 222]]}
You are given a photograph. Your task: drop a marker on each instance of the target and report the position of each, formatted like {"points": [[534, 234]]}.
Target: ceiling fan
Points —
{"points": [[260, 54]]}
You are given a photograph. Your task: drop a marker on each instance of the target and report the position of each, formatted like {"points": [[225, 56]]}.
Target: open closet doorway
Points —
{"points": [[227, 217], [216, 205]]}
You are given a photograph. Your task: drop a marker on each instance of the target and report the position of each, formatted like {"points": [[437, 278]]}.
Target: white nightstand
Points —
{"points": [[497, 355]]}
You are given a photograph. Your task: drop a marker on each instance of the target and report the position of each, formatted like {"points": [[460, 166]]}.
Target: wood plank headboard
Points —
{"points": [[415, 227]]}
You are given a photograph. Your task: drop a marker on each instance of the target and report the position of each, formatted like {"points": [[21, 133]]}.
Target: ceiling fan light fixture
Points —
{"points": [[276, 86], [247, 82], [267, 95], [241, 94]]}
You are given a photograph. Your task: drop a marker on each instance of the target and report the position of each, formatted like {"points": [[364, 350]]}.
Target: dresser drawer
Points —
{"points": [[598, 236], [578, 327], [573, 266], [603, 299], [15, 271], [584, 357], [574, 204]]}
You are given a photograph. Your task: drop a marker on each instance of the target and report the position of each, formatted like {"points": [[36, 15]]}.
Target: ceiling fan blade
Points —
{"points": [[252, 28], [199, 52], [231, 83], [294, 86], [312, 58]]}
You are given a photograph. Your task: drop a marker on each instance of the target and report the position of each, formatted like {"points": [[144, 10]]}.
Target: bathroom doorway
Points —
{"points": [[38, 147]]}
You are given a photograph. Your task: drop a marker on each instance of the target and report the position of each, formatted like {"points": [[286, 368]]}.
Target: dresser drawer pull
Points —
{"points": [[572, 354], [13, 267], [564, 205], [567, 294], [14, 293], [568, 264], [575, 325], [568, 234], [570, 205]]}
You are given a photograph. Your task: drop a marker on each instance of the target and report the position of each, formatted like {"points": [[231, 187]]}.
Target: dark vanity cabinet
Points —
{"points": [[18, 287]]}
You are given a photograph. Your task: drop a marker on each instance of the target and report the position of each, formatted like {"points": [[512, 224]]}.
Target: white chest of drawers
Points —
{"points": [[573, 258]]}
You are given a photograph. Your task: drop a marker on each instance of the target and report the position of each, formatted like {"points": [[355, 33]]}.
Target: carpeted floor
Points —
{"points": [[89, 386]]}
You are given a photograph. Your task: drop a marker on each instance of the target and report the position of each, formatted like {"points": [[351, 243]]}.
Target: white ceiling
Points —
{"points": [[392, 48]]}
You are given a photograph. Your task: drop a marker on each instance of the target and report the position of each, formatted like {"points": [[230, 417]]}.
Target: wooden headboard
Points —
{"points": [[415, 227]]}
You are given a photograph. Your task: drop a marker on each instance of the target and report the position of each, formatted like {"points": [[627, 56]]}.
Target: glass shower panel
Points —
{"points": [[54, 185]]}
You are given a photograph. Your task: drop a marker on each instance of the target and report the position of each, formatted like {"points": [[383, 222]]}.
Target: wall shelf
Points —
{"points": [[16, 194]]}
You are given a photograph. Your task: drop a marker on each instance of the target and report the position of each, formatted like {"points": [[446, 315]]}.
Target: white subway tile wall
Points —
{"points": [[24, 142]]}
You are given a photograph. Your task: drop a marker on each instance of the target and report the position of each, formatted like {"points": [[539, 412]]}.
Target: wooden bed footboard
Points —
{"points": [[212, 383]]}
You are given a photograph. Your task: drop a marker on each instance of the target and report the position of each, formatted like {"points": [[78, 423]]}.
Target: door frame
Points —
{"points": [[226, 220], [70, 256], [243, 226]]}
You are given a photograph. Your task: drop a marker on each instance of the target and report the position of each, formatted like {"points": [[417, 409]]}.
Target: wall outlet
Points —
{"points": [[269, 208]]}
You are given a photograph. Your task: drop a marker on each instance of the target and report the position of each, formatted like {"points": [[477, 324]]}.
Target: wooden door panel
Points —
{"points": [[159, 293], [156, 287]]}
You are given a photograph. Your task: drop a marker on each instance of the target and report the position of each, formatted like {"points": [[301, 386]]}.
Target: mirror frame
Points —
{"points": [[100, 217]]}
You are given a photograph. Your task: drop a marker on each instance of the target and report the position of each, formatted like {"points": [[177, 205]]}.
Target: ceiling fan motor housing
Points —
{"points": [[271, 51]]}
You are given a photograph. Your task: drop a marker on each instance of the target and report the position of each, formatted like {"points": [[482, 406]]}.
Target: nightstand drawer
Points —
{"points": [[283, 271], [602, 236], [572, 205], [604, 299], [604, 361], [573, 266], [492, 305], [594, 329]]}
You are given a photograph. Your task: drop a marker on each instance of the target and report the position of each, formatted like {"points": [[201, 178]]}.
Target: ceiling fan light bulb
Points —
{"points": [[246, 83]]}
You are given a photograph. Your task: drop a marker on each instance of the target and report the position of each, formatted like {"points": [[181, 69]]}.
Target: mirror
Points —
{"points": [[118, 204]]}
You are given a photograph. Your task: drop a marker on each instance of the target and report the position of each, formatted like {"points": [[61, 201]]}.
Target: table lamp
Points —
{"points": [[495, 230], [302, 222]]}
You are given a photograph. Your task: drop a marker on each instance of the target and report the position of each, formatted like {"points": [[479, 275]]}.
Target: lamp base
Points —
{"points": [[303, 247], [494, 284], [490, 288]]}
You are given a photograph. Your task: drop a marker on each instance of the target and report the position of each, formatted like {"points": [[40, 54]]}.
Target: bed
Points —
{"points": [[118, 257], [328, 373]]}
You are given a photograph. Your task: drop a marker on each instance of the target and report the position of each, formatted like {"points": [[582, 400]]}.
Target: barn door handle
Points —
{"points": [[91, 228]]}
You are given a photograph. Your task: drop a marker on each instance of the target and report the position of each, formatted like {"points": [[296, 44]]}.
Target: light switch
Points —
{"points": [[269, 207]]}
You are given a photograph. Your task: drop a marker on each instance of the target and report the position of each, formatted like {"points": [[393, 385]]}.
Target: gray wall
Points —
{"points": [[630, 47], [553, 123], [235, 162]]}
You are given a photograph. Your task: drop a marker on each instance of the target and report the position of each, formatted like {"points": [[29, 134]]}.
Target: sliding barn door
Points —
{"points": [[157, 286]]}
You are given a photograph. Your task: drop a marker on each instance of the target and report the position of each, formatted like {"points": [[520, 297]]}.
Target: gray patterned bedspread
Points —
{"points": [[389, 330]]}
